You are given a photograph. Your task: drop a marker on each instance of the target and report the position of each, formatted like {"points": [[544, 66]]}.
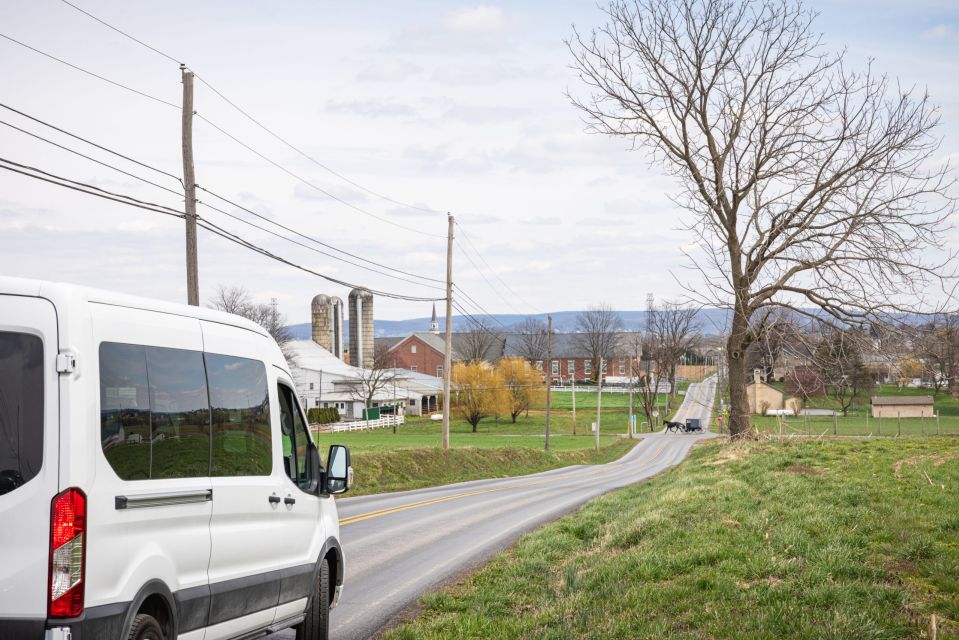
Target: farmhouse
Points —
{"points": [[903, 407], [763, 397]]}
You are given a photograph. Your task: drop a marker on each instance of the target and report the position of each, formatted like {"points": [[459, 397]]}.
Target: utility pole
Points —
{"points": [[599, 399], [549, 375], [573, 380], [629, 418], [448, 356], [189, 188]]}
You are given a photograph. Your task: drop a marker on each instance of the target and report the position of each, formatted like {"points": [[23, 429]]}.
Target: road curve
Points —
{"points": [[400, 545]]}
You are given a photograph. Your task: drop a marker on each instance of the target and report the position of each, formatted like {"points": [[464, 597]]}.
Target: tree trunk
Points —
{"points": [[738, 401]]}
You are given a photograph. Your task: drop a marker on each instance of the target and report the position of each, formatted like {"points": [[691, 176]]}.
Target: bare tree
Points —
{"points": [[532, 340], [596, 334], [477, 343], [674, 329], [807, 184], [838, 357], [936, 345], [376, 377], [238, 301], [642, 351]]}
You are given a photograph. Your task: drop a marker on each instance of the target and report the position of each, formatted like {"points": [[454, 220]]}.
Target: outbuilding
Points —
{"points": [[903, 407]]}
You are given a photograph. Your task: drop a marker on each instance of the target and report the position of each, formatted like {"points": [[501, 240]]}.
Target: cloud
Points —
{"points": [[479, 19], [304, 192], [544, 221], [389, 71], [942, 32], [371, 108]]}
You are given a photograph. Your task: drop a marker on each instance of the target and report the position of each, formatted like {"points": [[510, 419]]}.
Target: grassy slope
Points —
{"points": [[380, 471], [811, 539]]}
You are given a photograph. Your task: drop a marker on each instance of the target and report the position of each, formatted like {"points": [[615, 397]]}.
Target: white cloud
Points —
{"points": [[942, 32], [479, 19], [389, 71]]}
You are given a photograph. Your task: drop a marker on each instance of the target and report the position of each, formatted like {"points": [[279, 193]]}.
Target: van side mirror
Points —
{"points": [[316, 469], [339, 472]]}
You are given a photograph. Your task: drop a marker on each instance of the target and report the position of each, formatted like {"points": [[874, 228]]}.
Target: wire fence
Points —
{"points": [[861, 425]]}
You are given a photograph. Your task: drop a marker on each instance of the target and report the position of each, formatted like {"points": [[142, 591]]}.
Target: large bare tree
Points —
{"points": [[377, 376], [532, 339], [239, 301], [674, 330], [597, 332], [809, 185], [476, 343]]}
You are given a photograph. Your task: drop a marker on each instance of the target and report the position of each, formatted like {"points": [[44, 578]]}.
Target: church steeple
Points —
{"points": [[434, 325]]}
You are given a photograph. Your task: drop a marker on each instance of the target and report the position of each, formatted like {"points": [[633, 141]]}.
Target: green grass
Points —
{"points": [[381, 471], [804, 539], [858, 425]]}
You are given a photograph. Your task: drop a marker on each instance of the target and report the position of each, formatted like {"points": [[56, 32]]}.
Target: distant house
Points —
{"points": [[805, 381], [903, 407], [763, 397]]}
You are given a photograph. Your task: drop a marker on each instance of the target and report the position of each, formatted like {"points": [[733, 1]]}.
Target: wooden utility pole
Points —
{"points": [[573, 380], [448, 356], [599, 399], [189, 188], [549, 374], [629, 418]]}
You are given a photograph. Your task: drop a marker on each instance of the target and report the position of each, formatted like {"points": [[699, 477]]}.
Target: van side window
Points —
{"points": [[21, 409], [154, 412], [180, 414], [296, 439], [125, 409], [240, 403]]}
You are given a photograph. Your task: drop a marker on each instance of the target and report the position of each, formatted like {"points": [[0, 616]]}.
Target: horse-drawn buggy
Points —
{"points": [[692, 425]]}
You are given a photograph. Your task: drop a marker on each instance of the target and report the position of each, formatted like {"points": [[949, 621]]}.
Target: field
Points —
{"points": [[860, 423], [803, 539]]}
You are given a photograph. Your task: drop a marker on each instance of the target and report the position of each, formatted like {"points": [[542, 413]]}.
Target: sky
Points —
{"points": [[446, 106]]}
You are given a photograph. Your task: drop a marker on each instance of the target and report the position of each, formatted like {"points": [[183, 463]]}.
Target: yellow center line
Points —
{"points": [[466, 494]]}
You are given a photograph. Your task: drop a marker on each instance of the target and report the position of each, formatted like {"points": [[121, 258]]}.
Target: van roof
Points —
{"points": [[61, 290]]}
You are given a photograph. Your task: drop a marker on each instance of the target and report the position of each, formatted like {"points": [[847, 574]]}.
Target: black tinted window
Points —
{"points": [[180, 412], [21, 409], [296, 439], [240, 402], [125, 409], [154, 412]]}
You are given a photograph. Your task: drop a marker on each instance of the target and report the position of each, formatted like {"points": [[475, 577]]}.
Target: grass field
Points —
{"points": [[803, 539], [400, 470]]}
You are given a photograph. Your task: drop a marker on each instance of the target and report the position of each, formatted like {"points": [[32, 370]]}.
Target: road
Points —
{"points": [[399, 546]]}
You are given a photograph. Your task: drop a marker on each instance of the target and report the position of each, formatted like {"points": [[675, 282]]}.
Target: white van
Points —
{"points": [[157, 477]]}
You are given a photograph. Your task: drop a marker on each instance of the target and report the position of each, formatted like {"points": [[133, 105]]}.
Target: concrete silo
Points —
{"points": [[327, 321], [361, 327]]}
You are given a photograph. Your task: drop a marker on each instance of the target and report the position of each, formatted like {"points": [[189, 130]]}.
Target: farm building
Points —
{"points": [[903, 407], [763, 397]]}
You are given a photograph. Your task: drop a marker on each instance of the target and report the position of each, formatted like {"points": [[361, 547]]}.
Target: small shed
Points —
{"points": [[903, 407], [763, 397]]}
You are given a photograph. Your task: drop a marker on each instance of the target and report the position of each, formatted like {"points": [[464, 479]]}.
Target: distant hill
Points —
{"points": [[712, 321]]}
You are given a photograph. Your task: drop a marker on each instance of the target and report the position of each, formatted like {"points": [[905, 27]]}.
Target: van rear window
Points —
{"points": [[21, 409]]}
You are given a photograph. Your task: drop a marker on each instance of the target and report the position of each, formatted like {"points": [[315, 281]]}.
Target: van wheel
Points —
{"points": [[145, 627], [316, 625]]}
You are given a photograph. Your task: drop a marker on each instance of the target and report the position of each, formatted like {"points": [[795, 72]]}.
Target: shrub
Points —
{"points": [[325, 415]]}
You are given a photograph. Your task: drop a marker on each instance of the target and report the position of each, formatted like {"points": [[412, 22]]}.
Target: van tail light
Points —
{"points": [[68, 523]]}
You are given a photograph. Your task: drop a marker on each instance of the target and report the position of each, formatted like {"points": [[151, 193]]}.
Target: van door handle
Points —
{"points": [[289, 500], [274, 499]]}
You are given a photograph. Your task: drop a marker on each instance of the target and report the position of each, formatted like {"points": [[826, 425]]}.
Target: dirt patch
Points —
{"points": [[803, 469], [935, 459]]}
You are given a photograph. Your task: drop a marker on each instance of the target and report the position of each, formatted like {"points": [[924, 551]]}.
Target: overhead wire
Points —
{"points": [[180, 195], [483, 259], [91, 73], [93, 190]]}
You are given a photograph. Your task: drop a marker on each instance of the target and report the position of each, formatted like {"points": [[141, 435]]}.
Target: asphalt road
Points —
{"points": [[399, 546]]}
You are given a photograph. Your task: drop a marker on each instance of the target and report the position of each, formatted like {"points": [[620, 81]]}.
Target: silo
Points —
{"points": [[327, 321], [361, 327]]}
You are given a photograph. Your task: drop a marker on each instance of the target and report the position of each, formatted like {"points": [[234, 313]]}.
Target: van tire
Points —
{"points": [[145, 627], [316, 625]]}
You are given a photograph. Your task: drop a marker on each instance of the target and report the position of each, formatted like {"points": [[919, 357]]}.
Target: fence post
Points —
{"points": [[835, 424], [922, 422], [879, 424], [868, 432], [899, 424], [806, 420], [938, 426]]}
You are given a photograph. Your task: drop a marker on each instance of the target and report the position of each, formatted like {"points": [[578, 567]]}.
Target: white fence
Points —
{"points": [[663, 388], [359, 425]]}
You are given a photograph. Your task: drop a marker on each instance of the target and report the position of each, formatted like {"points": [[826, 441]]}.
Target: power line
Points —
{"points": [[89, 142], [246, 114], [122, 33], [209, 226], [312, 185], [180, 195], [312, 239], [483, 259], [482, 275], [314, 249], [91, 159], [90, 73]]}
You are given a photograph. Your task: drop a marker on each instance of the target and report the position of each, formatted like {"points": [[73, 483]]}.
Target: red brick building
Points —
{"points": [[420, 352]]}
